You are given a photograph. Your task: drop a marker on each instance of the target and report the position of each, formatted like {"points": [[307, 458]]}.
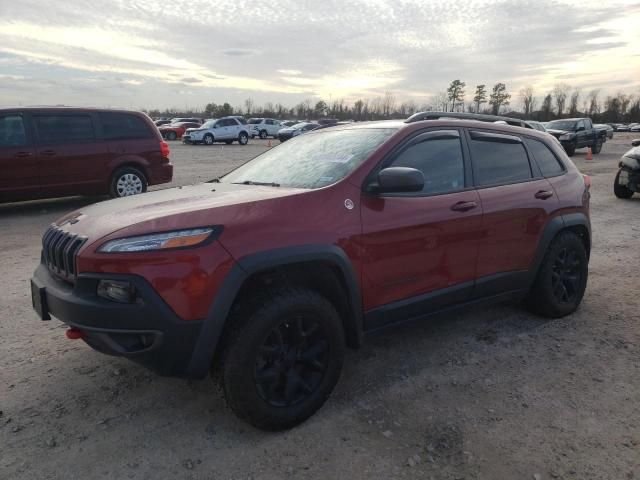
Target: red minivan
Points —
{"points": [[60, 151]]}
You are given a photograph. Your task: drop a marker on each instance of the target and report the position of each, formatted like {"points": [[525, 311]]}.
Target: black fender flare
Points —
{"points": [[214, 323], [553, 227]]}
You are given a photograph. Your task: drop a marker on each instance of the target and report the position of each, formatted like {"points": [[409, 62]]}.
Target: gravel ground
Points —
{"points": [[493, 394]]}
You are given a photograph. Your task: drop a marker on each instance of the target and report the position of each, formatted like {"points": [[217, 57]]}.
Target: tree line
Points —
{"points": [[561, 102]]}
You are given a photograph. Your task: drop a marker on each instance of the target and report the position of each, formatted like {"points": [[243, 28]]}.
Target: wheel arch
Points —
{"points": [[325, 268], [577, 223]]}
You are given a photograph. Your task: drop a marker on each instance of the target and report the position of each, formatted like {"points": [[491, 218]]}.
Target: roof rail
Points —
{"points": [[417, 117]]}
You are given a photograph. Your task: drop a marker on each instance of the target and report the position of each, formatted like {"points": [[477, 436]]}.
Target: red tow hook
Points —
{"points": [[75, 334]]}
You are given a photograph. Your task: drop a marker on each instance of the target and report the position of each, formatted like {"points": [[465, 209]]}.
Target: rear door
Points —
{"points": [[70, 155], [516, 203], [422, 243], [19, 173], [234, 127]]}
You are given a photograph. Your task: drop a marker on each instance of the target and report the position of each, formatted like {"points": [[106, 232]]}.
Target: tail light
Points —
{"points": [[164, 149], [587, 181]]}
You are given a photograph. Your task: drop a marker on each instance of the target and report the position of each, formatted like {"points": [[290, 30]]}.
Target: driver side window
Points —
{"points": [[440, 160]]}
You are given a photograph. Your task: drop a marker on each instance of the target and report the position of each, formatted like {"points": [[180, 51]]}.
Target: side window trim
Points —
{"points": [[534, 161], [498, 137], [41, 142]]}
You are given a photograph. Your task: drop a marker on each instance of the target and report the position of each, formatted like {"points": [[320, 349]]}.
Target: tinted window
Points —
{"points": [[546, 160], [65, 128], [441, 162], [229, 122], [118, 126], [499, 162], [12, 132]]}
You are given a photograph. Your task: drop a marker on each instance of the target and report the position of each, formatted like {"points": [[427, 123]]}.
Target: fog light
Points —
{"points": [[117, 291]]}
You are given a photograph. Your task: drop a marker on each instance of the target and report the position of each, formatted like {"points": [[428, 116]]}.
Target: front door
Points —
{"points": [[19, 173], [420, 249], [516, 203]]}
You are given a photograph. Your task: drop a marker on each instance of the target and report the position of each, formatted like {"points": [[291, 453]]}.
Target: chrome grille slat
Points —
{"points": [[59, 250]]}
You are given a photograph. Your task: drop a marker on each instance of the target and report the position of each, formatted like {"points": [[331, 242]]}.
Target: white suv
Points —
{"points": [[264, 127], [226, 129]]}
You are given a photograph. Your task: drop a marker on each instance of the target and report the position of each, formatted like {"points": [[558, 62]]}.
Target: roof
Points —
{"points": [[420, 116]]}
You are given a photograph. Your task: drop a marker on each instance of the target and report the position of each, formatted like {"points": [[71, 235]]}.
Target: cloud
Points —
{"points": [[329, 49]]}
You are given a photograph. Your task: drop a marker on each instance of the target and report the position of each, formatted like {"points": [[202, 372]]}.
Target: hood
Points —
{"points": [[557, 133], [163, 210], [190, 130]]}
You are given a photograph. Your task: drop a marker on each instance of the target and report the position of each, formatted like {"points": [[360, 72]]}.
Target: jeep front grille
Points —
{"points": [[59, 249]]}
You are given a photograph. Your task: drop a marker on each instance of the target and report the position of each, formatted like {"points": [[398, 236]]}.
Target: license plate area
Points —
{"points": [[39, 301]]}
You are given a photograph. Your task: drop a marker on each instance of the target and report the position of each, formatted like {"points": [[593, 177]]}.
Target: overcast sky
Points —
{"points": [[186, 53]]}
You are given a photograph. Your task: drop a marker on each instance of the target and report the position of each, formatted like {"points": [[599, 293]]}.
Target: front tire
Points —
{"points": [[570, 149], [126, 182], [172, 136], [621, 191], [562, 278], [282, 358], [208, 139], [243, 138]]}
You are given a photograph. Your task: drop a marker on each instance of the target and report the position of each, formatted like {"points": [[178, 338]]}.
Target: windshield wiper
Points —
{"points": [[262, 184]]}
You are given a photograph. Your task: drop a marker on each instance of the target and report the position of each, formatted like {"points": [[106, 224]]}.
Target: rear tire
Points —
{"points": [[562, 278], [263, 134], [282, 357], [243, 138], [127, 181], [597, 147], [621, 191], [172, 135]]}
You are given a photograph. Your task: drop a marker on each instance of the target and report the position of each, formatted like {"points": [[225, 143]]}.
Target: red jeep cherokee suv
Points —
{"points": [[270, 271], [57, 151]]}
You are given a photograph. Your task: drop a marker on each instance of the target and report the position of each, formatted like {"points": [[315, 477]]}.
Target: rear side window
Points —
{"points": [[12, 133], [65, 129], [546, 160], [497, 160], [123, 126], [440, 160]]}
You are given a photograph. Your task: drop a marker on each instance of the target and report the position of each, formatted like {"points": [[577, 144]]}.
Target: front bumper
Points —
{"points": [[148, 331]]}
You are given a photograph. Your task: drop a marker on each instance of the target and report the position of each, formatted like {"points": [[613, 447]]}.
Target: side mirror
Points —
{"points": [[636, 142], [398, 180], [580, 129]]}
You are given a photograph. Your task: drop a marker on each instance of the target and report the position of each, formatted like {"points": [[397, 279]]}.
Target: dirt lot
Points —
{"points": [[495, 394]]}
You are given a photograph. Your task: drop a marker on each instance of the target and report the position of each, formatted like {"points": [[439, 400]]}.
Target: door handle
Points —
{"points": [[23, 154], [48, 153], [543, 194], [463, 206]]}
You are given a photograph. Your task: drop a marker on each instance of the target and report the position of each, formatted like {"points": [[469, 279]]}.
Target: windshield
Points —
{"points": [[311, 161], [253, 121], [299, 125], [561, 125], [209, 124]]}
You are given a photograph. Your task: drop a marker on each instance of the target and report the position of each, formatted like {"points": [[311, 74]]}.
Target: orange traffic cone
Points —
{"points": [[589, 154], [269, 143]]}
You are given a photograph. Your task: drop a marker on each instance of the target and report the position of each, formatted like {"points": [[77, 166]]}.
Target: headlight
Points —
{"points": [[160, 241], [566, 136]]}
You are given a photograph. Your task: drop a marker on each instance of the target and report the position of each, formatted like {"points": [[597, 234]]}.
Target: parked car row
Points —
{"points": [[624, 127]]}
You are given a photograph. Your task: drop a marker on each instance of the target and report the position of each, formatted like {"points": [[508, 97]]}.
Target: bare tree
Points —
{"points": [[547, 108], [528, 100], [388, 104], [248, 104], [573, 102], [594, 106], [440, 101], [560, 92]]}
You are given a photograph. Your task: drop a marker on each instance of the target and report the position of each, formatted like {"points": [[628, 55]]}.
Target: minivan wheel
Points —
{"points": [[208, 139], [172, 135], [621, 191], [243, 138], [562, 278], [126, 182], [263, 134], [282, 358]]}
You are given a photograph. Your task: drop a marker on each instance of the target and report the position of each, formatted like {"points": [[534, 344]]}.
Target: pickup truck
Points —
{"points": [[577, 133]]}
